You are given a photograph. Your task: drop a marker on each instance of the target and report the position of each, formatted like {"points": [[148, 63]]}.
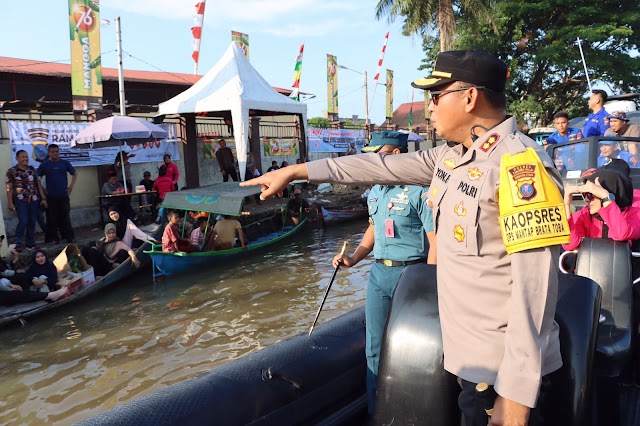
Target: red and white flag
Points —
{"points": [[384, 48], [197, 33]]}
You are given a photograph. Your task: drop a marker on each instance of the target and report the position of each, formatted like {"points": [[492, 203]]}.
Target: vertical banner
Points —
{"points": [[86, 69], [389, 101], [332, 87], [295, 94], [242, 40]]}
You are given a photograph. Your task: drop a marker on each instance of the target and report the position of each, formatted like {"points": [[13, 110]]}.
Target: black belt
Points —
{"points": [[387, 262]]}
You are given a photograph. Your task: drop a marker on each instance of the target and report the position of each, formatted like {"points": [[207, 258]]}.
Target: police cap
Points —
{"points": [[470, 66]]}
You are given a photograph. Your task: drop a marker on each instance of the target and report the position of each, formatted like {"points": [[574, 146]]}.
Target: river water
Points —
{"points": [[136, 337]]}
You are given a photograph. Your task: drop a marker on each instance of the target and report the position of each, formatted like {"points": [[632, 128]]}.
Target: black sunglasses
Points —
{"points": [[435, 95], [588, 196]]}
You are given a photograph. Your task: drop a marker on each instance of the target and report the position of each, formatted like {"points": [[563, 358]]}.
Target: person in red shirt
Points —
{"points": [[162, 184], [172, 171], [172, 242]]}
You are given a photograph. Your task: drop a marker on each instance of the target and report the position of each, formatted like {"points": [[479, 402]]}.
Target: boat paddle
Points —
{"points": [[326, 293]]}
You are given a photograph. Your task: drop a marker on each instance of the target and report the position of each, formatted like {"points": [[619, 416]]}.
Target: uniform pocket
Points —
{"points": [[465, 237]]}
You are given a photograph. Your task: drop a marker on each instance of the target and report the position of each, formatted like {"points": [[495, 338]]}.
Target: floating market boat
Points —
{"points": [[20, 312], [221, 199]]}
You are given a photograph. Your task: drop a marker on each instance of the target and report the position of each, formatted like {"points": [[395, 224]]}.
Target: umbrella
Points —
{"points": [[116, 131], [413, 137]]}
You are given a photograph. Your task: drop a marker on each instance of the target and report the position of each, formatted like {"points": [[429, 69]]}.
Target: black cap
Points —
{"points": [[470, 66]]}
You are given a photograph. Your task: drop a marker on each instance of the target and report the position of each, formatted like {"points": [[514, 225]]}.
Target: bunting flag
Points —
{"points": [[296, 75], [197, 34], [411, 113]]}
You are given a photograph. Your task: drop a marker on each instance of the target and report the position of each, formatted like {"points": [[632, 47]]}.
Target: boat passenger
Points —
{"points": [[401, 209], [172, 242], [225, 232], [109, 252], [126, 230], [297, 206], [198, 236], [10, 294], [42, 274]]}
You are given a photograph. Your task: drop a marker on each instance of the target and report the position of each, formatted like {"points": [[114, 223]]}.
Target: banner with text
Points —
{"points": [[280, 146], [86, 69], [332, 87], [242, 40], [211, 145], [334, 140], [389, 95], [35, 138]]}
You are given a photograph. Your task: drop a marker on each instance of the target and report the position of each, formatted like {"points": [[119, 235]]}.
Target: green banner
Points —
{"points": [[332, 87], [389, 101], [242, 40], [86, 69], [280, 146]]}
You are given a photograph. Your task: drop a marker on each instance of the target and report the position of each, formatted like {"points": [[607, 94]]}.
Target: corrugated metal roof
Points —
{"points": [[53, 69]]}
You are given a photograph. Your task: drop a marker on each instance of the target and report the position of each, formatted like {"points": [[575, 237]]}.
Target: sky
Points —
{"points": [[157, 33]]}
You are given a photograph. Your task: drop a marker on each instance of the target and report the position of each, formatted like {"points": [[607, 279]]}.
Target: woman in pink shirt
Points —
{"points": [[608, 212]]}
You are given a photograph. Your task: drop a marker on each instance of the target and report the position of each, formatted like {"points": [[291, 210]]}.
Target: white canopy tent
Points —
{"points": [[234, 85]]}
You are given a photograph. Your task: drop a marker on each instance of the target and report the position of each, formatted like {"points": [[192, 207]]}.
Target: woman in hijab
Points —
{"points": [[109, 252], [608, 212], [42, 274], [126, 230]]}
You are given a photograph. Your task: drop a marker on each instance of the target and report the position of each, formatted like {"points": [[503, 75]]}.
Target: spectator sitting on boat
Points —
{"points": [[113, 187], [172, 242], [297, 206], [9, 270], [163, 184], [109, 252], [274, 166], [225, 232], [42, 275], [126, 230], [11, 293], [198, 236]]}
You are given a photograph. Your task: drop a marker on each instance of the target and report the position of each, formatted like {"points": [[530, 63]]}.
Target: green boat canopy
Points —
{"points": [[222, 198]]}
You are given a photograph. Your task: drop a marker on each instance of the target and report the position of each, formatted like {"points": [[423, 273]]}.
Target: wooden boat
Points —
{"points": [[224, 199], [22, 311], [332, 215], [321, 379]]}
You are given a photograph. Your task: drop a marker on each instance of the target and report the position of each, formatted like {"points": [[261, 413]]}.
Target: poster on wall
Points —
{"points": [[334, 140], [86, 67], [36, 137], [280, 146], [210, 145]]}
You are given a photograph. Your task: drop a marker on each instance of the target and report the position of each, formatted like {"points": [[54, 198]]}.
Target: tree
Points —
{"points": [[424, 17], [538, 42], [319, 122]]}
